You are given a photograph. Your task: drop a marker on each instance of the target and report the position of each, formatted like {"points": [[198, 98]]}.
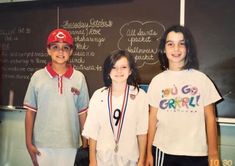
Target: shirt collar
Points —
{"points": [[53, 74]]}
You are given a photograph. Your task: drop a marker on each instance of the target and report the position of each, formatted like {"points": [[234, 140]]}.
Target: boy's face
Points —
{"points": [[59, 52]]}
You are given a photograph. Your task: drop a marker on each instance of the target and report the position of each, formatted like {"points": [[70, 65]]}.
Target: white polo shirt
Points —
{"points": [[57, 101], [97, 125], [180, 97]]}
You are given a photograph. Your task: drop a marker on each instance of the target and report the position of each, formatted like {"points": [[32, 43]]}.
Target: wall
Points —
{"points": [[12, 139], [27, 25], [13, 150]]}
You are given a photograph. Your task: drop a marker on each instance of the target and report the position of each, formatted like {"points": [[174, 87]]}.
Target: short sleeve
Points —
{"points": [[30, 100], [152, 93], [83, 98], [142, 123], [211, 95], [91, 127]]}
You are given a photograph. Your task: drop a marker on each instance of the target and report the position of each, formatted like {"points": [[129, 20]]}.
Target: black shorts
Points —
{"points": [[163, 159]]}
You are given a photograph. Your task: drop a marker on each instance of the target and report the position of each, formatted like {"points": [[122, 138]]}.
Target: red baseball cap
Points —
{"points": [[60, 35]]}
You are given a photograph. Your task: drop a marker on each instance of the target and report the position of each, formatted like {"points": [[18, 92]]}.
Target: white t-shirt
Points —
{"points": [[180, 97], [97, 125], [116, 105]]}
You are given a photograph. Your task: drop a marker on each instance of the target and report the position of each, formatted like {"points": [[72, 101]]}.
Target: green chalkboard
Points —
{"points": [[213, 26]]}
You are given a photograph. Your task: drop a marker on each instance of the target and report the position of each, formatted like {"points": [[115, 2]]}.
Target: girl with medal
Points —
{"points": [[117, 121]]}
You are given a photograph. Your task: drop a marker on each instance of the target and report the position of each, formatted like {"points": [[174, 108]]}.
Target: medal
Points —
{"points": [[118, 115], [116, 148], [132, 96]]}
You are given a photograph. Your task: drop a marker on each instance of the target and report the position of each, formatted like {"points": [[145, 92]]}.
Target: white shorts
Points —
{"points": [[56, 157]]}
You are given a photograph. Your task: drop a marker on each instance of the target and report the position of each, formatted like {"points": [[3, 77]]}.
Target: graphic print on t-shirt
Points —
{"points": [[183, 99]]}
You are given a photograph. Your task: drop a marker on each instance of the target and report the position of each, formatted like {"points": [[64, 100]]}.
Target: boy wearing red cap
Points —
{"points": [[56, 101]]}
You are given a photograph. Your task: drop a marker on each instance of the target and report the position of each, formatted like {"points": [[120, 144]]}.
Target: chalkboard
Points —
{"points": [[98, 28], [213, 26]]}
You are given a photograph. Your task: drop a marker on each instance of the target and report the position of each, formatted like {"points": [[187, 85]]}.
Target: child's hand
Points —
{"points": [[33, 152], [92, 164], [140, 163], [149, 160]]}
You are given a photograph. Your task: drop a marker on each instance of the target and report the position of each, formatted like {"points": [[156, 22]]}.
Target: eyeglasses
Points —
{"points": [[56, 48]]}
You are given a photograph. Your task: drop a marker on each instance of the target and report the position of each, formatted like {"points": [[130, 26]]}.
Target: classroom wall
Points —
{"points": [[104, 26], [25, 26]]}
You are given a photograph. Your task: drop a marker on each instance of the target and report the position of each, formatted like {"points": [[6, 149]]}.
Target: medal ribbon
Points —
{"points": [[123, 111]]}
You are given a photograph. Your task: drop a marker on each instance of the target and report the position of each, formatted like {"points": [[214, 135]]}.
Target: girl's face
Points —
{"points": [[120, 71], [175, 50]]}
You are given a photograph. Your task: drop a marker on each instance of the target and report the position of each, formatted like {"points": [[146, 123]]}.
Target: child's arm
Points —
{"points": [[92, 152], [82, 119], [142, 141], [151, 134], [212, 137], [29, 123]]}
